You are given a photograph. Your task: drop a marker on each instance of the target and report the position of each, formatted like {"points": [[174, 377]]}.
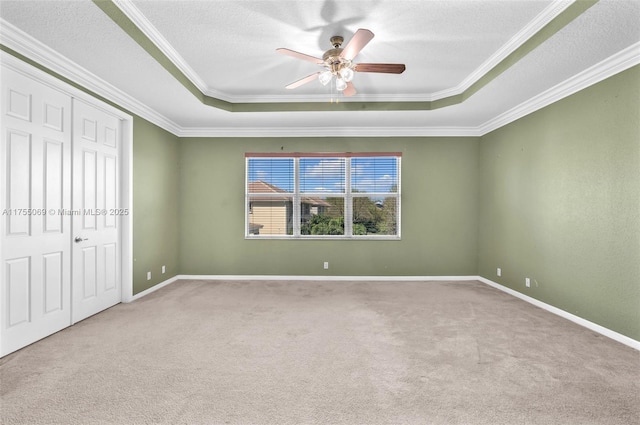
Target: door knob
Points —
{"points": [[78, 239]]}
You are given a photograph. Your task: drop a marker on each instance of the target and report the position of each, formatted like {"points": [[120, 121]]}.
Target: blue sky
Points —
{"points": [[326, 175]]}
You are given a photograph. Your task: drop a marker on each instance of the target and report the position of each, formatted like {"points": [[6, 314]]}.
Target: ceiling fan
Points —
{"points": [[338, 63]]}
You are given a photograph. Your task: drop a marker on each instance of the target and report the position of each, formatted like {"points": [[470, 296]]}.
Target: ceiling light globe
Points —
{"points": [[325, 77], [340, 84], [346, 74]]}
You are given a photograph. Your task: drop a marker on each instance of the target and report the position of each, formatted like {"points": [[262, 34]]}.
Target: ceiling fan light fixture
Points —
{"points": [[325, 77], [338, 63], [346, 74], [340, 84]]}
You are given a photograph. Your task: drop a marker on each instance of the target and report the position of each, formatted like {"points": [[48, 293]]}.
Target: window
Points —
{"points": [[309, 195]]}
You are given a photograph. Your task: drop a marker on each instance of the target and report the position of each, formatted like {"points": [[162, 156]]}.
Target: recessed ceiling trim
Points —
{"points": [[615, 64], [141, 21], [331, 132], [609, 67], [559, 21], [129, 27], [533, 27]]}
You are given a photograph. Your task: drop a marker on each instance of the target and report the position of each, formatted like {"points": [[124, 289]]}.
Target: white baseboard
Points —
{"points": [[565, 314], [569, 316], [152, 289], [337, 278]]}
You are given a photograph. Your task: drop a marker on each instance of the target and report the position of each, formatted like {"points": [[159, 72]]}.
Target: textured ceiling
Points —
{"points": [[231, 45], [227, 49]]}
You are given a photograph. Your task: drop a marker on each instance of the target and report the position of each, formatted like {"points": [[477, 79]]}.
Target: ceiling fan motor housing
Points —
{"points": [[331, 57], [336, 41]]}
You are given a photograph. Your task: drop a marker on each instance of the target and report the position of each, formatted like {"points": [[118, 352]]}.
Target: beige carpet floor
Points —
{"points": [[229, 352]]}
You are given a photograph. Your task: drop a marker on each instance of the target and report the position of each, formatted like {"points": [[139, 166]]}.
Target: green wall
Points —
{"points": [[155, 204], [560, 203], [439, 211]]}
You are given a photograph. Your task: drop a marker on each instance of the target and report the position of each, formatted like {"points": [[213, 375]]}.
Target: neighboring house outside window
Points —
{"points": [[274, 215], [309, 195]]}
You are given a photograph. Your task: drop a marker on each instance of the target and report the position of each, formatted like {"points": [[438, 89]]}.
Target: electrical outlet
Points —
{"points": [[527, 282], [148, 275], [326, 265], [499, 271], [164, 269]]}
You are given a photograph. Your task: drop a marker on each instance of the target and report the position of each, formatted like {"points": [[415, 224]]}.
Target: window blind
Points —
{"points": [[323, 195]]}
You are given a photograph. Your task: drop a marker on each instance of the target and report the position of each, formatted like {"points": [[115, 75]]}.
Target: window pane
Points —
{"points": [[322, 216], [274, 172], [322, 175], [374, 175], [270, 216], [375, 215], [304, 195]]}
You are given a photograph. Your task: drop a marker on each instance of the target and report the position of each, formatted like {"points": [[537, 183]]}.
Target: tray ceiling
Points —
{"points": [[225, 50]]}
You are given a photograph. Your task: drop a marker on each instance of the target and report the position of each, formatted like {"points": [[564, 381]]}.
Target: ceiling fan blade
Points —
{"points": [[302, 81], [386, 68], [299, 55], [360, 39], [350, 90]]}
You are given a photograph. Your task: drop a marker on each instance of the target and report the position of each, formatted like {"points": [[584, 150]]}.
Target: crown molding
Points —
{"points": [[23, 68], [614, 64], [137, 17], [330, 132], [24, 44], [528, 31]]}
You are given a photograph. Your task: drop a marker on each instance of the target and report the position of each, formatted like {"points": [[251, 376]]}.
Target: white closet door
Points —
{"points": [[35, 179], [96, 248]]}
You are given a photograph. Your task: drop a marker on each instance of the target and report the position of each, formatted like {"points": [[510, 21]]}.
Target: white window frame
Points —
{"points": [[347, 195]]}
